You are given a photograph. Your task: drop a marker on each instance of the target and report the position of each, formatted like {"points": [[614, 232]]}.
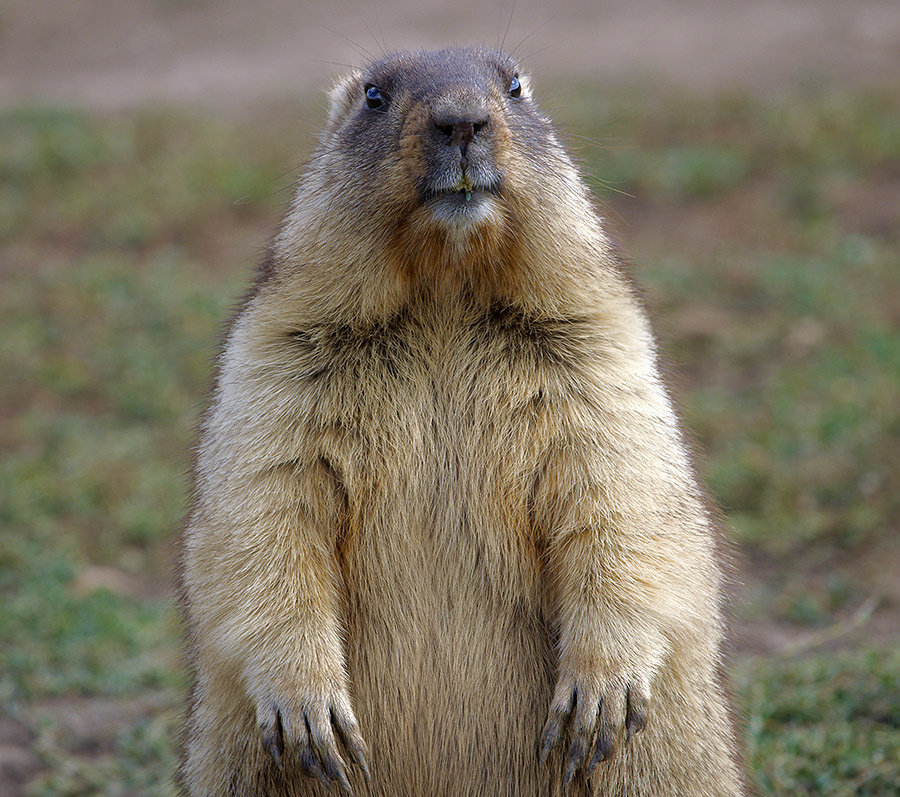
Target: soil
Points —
{"points": [[115, 53]]}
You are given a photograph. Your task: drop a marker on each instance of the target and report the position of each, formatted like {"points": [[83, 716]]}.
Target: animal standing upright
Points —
{"points": [[446, 539]]}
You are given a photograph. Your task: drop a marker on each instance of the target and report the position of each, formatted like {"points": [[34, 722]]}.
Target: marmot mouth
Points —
{"points": [[462, 201], [464, 192], [464, 207]]}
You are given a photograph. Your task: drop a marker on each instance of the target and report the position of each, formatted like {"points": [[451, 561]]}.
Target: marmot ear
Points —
{"points": [[344, 95], [525, 82]]}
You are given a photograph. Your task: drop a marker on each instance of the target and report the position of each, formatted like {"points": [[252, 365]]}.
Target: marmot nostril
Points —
{"points": [[459, 132]]}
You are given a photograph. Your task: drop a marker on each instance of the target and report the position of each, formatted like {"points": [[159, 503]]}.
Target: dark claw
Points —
{"points": [[603, 750], [559, 713], [551, 738], [312, 767], [322, 742], [274, 748], [335, 770], [352, 742], [273, 741], [359, 757], [636, 714], [576, 758], [309, 761]]}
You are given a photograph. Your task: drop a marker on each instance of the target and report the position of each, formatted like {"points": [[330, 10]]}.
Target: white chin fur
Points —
{"points": [[455, 212]]}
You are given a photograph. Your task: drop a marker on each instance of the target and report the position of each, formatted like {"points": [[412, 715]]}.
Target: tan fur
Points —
{"points": [[441, 490]]}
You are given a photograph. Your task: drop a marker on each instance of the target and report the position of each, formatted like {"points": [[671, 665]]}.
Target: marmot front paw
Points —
{"points": [[307, 729], [595, 705]]}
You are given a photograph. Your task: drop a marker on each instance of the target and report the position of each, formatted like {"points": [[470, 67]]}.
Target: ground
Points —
{"points": [[113, 54], [747, 156]]}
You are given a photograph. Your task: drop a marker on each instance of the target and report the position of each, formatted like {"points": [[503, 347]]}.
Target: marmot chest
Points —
{"points": [[437, 428]]}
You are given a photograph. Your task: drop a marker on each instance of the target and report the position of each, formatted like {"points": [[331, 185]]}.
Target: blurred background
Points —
{"points": [[747, 156]]}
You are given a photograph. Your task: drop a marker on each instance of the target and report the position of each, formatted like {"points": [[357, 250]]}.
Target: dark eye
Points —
{"points": [[374, 98], [515, 88]]}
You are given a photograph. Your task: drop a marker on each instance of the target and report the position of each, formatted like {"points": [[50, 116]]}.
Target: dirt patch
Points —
{"points": [[91, 726], [18, 763], [869, 207], [698, 227], [116, 53]]}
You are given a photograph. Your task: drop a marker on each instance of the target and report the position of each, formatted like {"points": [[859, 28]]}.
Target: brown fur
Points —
{"points": [[440, 491]]}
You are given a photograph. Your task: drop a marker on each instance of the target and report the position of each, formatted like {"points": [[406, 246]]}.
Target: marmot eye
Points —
{"points": [[374, 98], [515, 88]]}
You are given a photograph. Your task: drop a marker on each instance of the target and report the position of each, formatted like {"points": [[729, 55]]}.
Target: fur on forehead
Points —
{"points": [[423, 68], [433, 68]]}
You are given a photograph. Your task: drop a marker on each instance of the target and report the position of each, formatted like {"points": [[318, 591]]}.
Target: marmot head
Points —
{"points": [[437, 169], [447, 149]]}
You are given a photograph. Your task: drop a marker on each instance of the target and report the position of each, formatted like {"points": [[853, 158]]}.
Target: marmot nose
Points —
{"points": [[456, 132]]}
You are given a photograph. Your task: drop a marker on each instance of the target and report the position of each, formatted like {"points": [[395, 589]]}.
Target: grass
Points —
{"points": [[825, 724], [773, 275]]}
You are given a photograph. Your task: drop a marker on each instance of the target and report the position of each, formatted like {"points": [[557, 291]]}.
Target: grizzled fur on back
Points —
{"points": [[446, 539]]}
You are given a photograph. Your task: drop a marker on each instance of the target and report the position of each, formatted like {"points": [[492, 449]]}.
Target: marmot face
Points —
{"points": [[443, 132]]}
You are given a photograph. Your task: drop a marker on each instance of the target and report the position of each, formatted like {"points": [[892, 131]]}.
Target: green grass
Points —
{"points": [[824, 725], [126, 239]]}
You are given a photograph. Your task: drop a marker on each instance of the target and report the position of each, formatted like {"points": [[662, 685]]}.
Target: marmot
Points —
{"points": [[446, 539]]}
